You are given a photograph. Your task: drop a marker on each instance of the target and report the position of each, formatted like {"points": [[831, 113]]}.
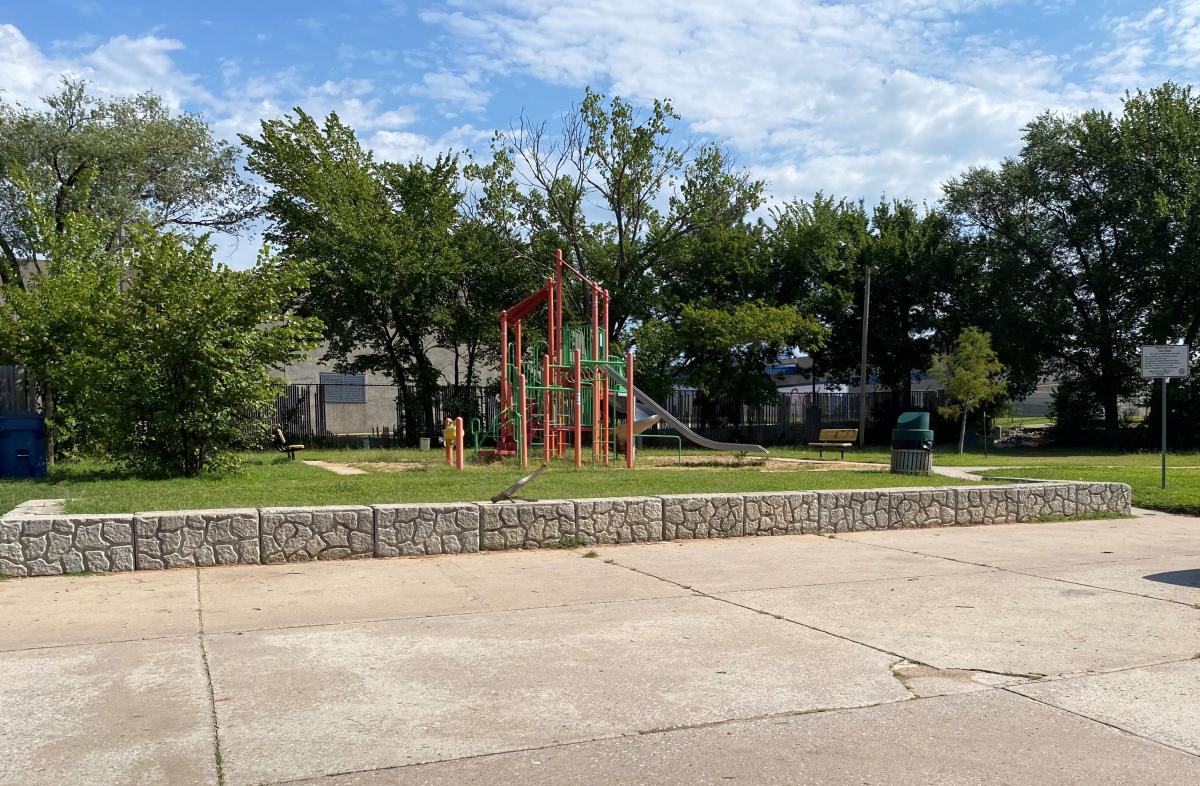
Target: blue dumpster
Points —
{"points": [[22, 446]]}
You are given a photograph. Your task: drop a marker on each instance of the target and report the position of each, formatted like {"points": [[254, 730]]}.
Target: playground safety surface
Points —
{"points": [[1022, 654]]}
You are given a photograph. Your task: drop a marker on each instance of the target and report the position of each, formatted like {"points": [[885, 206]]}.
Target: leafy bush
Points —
{"points": [[153, 353]]}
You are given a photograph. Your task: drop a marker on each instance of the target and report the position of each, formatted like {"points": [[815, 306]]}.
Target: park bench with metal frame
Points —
{"points": [[835, 438], [281, 444]]}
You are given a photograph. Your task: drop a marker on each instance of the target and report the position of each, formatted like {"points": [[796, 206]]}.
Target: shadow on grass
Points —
{"points": [[1180, 578]]}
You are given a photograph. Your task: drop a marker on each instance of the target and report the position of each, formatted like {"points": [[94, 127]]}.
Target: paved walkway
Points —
{"points": [[1022, 654]]}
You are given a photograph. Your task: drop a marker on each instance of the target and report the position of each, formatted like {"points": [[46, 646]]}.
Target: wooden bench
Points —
{"points": [[830, 438], [281, 444]]}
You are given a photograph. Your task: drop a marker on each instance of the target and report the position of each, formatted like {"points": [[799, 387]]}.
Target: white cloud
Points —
{"points": [[861, 98], [454, 92], [128, 65]]}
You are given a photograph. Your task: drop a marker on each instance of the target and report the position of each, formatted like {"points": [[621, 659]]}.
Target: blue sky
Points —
{"points": [[862, 98]]}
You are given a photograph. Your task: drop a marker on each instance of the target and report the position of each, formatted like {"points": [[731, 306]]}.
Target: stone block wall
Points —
{"points": [[850, 511], [411, 530], [54, 544], [178, 539], [304, 534], [780, 513], [526, 525], [690, 516], [618, 520]]}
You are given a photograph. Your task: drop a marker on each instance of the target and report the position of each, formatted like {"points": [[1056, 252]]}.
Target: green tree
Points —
{"points": [[613, 188], [1094, 228], [161, 358], [972, 375], [59, 331], [816, 249], [124, 160], [722, 350], [386, 270]]}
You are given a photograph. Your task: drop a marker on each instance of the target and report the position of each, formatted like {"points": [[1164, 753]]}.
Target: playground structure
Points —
{"points": [[569, 384]]}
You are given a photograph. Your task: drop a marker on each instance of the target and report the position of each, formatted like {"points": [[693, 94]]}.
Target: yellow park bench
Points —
{"points": [[283, 446], [831, 438]]}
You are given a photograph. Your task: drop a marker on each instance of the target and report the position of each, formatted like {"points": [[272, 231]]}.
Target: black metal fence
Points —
{"points": [[794, 417], [389, 416], [381, 415]]}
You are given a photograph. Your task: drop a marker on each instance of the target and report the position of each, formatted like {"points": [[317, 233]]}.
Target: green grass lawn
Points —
{"points": [[1007, 457], [271, 480], [1182, 494]]}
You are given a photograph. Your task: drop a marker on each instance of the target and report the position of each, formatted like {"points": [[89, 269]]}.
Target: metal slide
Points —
{"points": [[644, 401]]}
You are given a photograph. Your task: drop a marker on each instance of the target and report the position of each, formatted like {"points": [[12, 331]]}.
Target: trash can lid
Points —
{"points": [[22, 421], [913, 420]]}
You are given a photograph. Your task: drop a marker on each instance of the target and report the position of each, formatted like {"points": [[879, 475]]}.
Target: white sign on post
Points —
{"points": [[1166, 361], [1163, 361]]}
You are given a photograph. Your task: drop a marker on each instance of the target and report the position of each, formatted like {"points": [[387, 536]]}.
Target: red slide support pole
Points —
{"points": [[458, 444], [630, 410], [524, 410], [504, 391], [604, 381], [518, 351], [551, 333], [578, 409], [546, 407]]}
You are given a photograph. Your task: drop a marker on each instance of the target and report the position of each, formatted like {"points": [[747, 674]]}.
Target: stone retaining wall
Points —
{"points": [[55, 544]]}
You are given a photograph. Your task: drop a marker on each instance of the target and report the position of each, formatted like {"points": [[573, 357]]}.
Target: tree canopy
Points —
{"points": [[124, 160]]}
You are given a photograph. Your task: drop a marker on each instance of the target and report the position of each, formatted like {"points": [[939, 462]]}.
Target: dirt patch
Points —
{"points": [[392, 466], [761, 463]]}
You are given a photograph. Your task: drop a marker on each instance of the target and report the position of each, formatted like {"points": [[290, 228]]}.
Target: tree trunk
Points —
{"points": [[1112, 413], [48, 411], [962, 432]]}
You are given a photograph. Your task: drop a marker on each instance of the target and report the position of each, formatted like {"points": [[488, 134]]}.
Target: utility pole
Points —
{"points": [[862, 378]]}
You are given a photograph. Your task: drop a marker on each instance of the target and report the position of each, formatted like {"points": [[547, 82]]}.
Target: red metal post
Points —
{"points": [[458, 444], [558, 301], [546, 408], [524, 410], [551, 334], [504, 391], [604, 382], [630, 410], [519, 360], [578, 409]]}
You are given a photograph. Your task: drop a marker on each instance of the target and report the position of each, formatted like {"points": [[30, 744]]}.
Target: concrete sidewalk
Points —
{"points": [[1017, 654]]}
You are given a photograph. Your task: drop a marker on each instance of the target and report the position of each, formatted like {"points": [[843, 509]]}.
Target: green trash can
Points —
{"points": [[912, 444]]}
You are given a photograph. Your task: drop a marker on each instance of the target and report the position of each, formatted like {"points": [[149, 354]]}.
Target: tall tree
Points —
{"points": [[816, 249], [379, 237], [146, 164], [1077, 226], [972, 375], [618, 191]]}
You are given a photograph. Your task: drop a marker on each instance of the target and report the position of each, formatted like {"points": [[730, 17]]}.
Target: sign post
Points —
{"points": [[1164, 362]]}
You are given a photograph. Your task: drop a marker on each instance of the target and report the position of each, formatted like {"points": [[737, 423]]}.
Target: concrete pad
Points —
{"points": [[1002, 622], [310, 701], [975, 739], [1159, 702], [132, 712], [732, 564], [57, 610], [336, 468], [321, 593], [1021, 546], [1170, 578]]}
